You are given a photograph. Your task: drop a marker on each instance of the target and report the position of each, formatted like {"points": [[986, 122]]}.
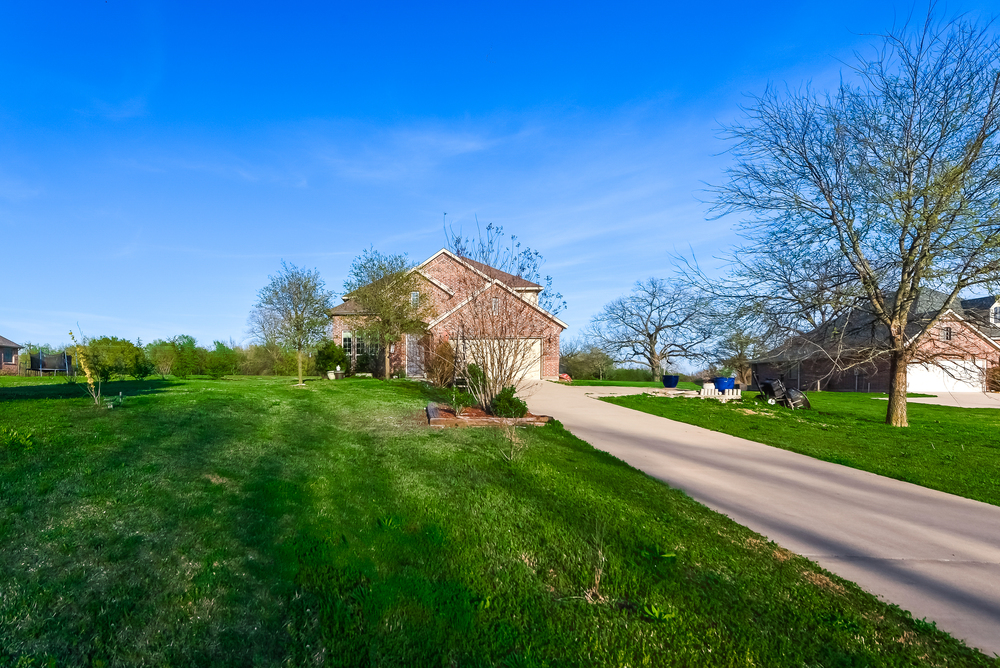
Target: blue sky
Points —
{"points": [[159, 160]]}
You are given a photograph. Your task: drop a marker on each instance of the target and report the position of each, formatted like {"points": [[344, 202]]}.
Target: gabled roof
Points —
{"points": [[502, 286], [349, 307], [7, 343], [862, 329], [492, 273]]}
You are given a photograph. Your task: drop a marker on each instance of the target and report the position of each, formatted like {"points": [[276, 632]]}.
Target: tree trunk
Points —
{"points": [[300, 368], [385, 348], [896, 413]]}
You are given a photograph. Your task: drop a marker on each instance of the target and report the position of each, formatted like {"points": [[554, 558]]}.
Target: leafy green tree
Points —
{"points": [[111, 356], [221, 360], [187, 361], [293, 309], [162, 355], [382, 287]]}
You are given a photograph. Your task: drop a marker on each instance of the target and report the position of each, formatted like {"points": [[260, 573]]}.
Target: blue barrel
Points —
{"points": [[724, 383]]}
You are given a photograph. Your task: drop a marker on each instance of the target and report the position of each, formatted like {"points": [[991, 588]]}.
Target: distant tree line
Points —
{"points": [[181, 356]]}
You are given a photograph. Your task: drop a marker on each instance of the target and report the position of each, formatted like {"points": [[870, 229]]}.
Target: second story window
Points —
{"points": [[995, 316], [496, 305], [414, 299], [946, 333]]}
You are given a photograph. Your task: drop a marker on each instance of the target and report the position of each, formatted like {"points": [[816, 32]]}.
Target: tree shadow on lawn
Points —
{"points": [[164, 544], [78, 390]]}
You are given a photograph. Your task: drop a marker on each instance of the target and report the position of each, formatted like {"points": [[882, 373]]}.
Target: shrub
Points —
{"points": [[631, 375], [221, 361], [329, 356], [366, 363], [440, 364], [459, 400], [993, 379], [506, 404], [142, 367], [476, 379]]}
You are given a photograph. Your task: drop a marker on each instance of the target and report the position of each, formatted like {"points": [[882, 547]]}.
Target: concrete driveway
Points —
{"points": [[934, 554]]}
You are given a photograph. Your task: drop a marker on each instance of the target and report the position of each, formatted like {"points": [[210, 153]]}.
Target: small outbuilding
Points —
{"points": [[9, 357]]}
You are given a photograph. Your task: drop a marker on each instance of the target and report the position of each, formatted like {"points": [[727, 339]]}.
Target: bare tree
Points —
{"points": [[293, 309], [893, 179], [582, 359], [383, 288], [734, 350], [658, 322], [504, 327]]}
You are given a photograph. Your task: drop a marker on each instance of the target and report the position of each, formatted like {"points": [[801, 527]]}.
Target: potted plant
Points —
{"points": [[670, 381]]}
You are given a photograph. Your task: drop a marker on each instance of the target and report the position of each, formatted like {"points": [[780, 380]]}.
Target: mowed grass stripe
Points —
{"points": [[247, 522]]}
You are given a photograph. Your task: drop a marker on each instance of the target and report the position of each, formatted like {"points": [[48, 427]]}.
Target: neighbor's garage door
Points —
{"points": [[946, 376]]}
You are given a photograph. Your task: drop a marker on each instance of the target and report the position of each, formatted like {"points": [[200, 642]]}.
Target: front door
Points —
{"points": [[414, 357]]}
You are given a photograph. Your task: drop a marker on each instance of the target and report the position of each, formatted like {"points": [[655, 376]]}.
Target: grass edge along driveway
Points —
{"points": [[953, 450], [246, 522]]}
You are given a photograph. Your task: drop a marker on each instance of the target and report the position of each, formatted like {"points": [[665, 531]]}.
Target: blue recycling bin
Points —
{"points": [[724, 383]]}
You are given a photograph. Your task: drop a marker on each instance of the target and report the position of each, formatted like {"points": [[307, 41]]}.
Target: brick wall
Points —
{"points": [[459, 282], [965, 343], [10, 369]]}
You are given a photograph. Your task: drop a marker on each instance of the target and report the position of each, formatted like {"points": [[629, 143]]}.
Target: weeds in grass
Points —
{"points": [[510, 444], [13, 439]]}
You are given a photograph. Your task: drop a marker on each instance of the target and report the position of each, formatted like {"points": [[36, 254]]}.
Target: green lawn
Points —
{"points": [[955, 450], [632, 383], [245, 522]]}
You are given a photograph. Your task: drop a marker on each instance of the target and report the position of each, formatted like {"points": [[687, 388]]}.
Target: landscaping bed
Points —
{"points": [[954, 450], [247, 522], [442, 415]]}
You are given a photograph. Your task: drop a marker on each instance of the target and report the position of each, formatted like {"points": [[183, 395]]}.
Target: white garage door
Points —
{"points": [[530, 351], [946, 376]]}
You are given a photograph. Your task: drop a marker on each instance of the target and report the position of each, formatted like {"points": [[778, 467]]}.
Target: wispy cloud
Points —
{"points": [[134, 107]]}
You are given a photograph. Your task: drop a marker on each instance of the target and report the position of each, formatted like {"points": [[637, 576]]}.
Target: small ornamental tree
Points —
{"points": [[499, 330], [293, 310], [382, 286]]}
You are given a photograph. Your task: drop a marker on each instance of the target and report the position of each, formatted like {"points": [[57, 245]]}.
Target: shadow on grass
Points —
{"points": [[161, 537], [79, 389]]}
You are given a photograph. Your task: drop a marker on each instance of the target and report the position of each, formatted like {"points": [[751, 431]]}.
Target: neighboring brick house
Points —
{"points": [[953, 356], [9, 357], [455, 285]]}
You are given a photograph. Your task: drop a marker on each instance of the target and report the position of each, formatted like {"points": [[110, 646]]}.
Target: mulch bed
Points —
{"points": [[439, 415]]}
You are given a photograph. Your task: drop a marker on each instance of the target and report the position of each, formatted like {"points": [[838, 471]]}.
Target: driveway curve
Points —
{"points": [[934, 554]]}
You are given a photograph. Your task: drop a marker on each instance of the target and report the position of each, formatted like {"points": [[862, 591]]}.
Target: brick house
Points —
{"points": [[455, 287], [955, 355], [9, 357]]}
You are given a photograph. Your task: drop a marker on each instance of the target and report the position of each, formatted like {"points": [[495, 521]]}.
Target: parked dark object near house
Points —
{"points": [[671, 381], [58, 363], [775, 392]]}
